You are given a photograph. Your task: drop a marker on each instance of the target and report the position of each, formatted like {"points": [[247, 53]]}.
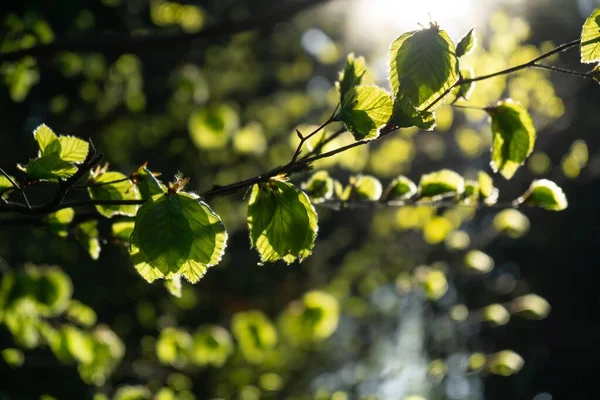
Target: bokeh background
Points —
{"points": [[224, 107]]}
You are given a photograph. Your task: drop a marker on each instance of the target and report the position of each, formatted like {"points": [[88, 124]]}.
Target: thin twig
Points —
{"points": [[562, 70]]}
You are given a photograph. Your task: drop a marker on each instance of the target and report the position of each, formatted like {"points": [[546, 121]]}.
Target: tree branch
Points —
{"points": [[139, 44]]}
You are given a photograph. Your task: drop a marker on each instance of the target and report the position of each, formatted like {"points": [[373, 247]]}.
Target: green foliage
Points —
{"points": [[173, 285], [513, 137], [511, 222], [138, 392], [255, 334], [113, 186], [173, 347], [365, 187], [423, 66], [13, 357], [122, 230], [314, 318], [86, 233], [212, 346], [176, 233], [211, 128], [319, 187], [147, 183], [365, 110], [59, 221], [282, 222], [505, 363], [545, 194], [590, 38], [81, 314], [406, 116], [488, 192], [466, 44], [401, 188], [441, 183], [49, 168], [352, 75], [530, 306]]}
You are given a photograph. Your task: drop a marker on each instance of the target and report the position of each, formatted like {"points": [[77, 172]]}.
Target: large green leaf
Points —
{"points": [[590, 38], [423, 65], [66, 148], [148, 183], [282, 222], [176, 233], [49, 167], [351, 76], [365, 110], [513, 136], [114, 186]]}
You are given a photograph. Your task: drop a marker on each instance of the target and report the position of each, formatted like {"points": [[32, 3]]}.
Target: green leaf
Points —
{"points": [[319, 187], [590, 38], [44, 136], [176, 233], [314, 318], [351, 76], [466, 44], [59, 221], [173, 347], [49, 167], [173, 285], [488, 192], [212, 346], [147, 183], [471, 193], [122, 230], [365, 187], [5, 183], [255, 334], [505, 363], [511, 222], [211, 128], [513, 136], [114, 186], [545, 194], [282, 222], [108, 351], [87, 234], [423, 66], [138, 392], [81, 314], [365, 110], [478, 261], [465, 90], [406, 116], [530, 306], [441, 183], [401, 188], [13, 357]]}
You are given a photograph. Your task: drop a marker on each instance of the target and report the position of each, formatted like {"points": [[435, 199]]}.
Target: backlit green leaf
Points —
{"points": [[441, 183], [513, 136], [313, 318], [87, 234], [406, 116], [505, 363], [49, 167], [590, 38], [81, 314], [488, 192], [173, 347], [546, 194], [173, 285], [212, 346], [114, 186], [122, 230], [59, 221], [423, 65], [66, 148], [466, 44], [351, 76], [137, 392], [530, 306], [255, 334], [401, 188], [211, 128], [282, 222], [13, 357], [148, 184], [319, 187], [365, 110], [44, 136], [366, 187], [176, 233]]}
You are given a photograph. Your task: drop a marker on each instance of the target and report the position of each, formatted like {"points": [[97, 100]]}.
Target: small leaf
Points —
{"points": [[255, 334], [211, 127], [131, 392], [513, 136], [44, 136], [13, 357], [173, 285], [406, 116], [441, 183], [173, 347], [73, 149], [365, 110], [5, 183], [87, 234], [319, 187], [545, 194], [314, 318], [590, 38], [351, 76], [282, 222], [176, 233], [49, 167], [512, 223], [423, 66], [212, 346], [479, 262], [505, 363], [122, 230], [81, 314], [530, 306], [366, 187], [496, 314], [400, 188], [59, 221], [488, 192], [147, 183], [471, 193], [114, 186], [466, 44]]}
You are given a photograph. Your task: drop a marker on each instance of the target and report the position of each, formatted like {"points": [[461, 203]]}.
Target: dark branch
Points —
{"points": [[139, 44]]}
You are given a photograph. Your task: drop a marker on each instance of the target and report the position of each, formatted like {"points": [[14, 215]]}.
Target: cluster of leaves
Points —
{"points": [[37, 309]]}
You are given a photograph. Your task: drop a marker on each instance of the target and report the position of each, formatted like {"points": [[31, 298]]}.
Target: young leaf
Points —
{"points": [[351, 76], [505, 363], [365, 110], [546, 194], [87, 234], [488, 192], [512, 223], [319, 187], [466, 44], [122, 230], [400, 188], [147, 183], [513, 137], [590, 38], [441, 183], [282, 222], [255, 334], [365, 187], [212, 346], [114, 186], [423, 66], [173, 285], [60, 220], [406, 115], [49, 167], [176, 233], [66, 148], [211, 127], [44, 136]]}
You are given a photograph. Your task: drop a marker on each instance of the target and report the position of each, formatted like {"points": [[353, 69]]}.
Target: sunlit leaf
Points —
{"points": [[496, 314], [478, 261], [530, 306], [65, 148], [59, 221], [81, 314], [423, 66], [122, 230], [466, 44], [212, 346], [313, 318], [255, 334], [505, 363], [590, 38], [401, 188], [282, 222], [441, 183], [406, 115], [132, 393], [44, 136], [319, 187], [511, 222], [351, 76], [173, 285], [176, 233], [108, 351], [147, 183], [366, 187], [87, 234], [49, 167], [173, 347], [546, 194], [487, 190], [13, 357], [114, 186], [513, 136], [365, 110], [211, 128]]}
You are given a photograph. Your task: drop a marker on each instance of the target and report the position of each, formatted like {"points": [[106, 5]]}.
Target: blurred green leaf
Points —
{"points": [[505, 363], [401, 188], [319, 187], [366, 187], [59, 221], [13, 357], [441, 183], [255, 334], [545, 194], [212, 346], [86, 233], [173, 285]]}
